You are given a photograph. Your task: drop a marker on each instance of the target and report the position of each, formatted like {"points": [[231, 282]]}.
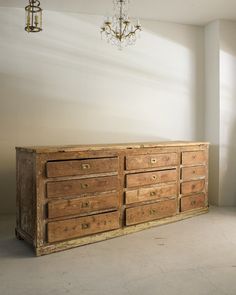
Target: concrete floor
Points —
{"points": [[196, 256]]}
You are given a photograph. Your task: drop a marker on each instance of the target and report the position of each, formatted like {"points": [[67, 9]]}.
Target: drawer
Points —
{"points": [[148, 194], [82, 226], [78, 187], [191, 158], [78, 206], [192, 202], [147, 213], [193, 172], [151, 161], [81, 167], [149, 178], [192, 186]]}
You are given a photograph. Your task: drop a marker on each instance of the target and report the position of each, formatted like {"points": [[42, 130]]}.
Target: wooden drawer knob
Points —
{"points": [[85, 205], [152, 194], [86, 166], [153, 160], [193, 202], [84, 185], [152, 211], [85, 225], [154, 177]]}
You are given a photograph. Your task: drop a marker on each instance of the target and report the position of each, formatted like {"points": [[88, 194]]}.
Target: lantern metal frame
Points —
{"points": [[33, 17]]}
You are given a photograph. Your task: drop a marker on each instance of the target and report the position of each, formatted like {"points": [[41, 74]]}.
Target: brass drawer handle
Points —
{"points": [[84, 185], [85, 225], [193, 202], [152, 211], [153, 160], [86, 166], [85, 205], [154, 177], [152, 194]]}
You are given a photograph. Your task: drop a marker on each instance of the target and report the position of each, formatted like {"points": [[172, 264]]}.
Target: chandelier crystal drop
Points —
{"points": [[33, 15], [118, 29]]}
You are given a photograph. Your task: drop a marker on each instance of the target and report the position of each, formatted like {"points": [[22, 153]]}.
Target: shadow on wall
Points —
{"points": [[38, 120], [228, 126], [228, 169], [195, 53], [213, 189], [65, 86]]}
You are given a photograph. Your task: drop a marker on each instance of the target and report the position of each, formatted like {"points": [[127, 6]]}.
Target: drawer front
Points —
{"points": [[82, 226], [78, 187], [193, 172], [192, 202], [148, 194], [151, 212], [191, 158], [192, 186], [151, 161], [81, 167], [149, 178], [65, 208]]}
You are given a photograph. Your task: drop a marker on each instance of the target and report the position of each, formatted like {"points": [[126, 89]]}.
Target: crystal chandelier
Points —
{"points": [[33, 14], [118, 30]]}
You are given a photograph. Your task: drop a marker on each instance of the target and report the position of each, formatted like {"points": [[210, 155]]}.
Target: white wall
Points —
{"points": [[212, 105], [66, 86], [220, 52], [227, 113]]}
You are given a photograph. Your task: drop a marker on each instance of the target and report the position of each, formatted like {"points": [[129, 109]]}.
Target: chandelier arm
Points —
{"points": [[132, 33], [112, 31], [123, 33], [110, 28]]}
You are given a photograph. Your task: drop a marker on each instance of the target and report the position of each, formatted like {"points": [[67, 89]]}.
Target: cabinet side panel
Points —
{"points": [[25, 174]]}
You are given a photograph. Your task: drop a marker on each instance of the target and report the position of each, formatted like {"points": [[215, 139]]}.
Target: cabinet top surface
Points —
{"points": [[94, 147]]}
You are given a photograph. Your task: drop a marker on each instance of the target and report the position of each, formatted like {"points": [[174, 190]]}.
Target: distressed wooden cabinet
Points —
{"points": [[76, 195]]}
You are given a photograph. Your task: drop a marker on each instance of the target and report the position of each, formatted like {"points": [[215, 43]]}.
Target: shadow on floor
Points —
{"points": [[11, 247]]}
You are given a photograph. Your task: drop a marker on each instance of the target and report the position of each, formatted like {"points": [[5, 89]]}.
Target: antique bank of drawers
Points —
{"points": [[76, 195]]}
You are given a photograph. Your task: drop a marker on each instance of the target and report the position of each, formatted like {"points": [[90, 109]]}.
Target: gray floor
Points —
{"points": [[195, 256]]}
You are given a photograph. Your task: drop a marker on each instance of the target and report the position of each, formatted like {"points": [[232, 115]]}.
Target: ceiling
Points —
{"points": [[196, 12]]}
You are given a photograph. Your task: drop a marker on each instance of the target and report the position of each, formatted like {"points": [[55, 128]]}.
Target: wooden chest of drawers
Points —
{"points": [[76, 195]]}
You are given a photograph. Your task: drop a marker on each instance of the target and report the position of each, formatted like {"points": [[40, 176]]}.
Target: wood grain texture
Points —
{"points": [[150, 178], [83, 226], [81, 167], [116, 146], [151, 161], [26, 199], [70, 244], [84, 191], [194, 186], [193, 172], [151, 212], [193, 202], [192, 158], [78, 187], [77, 206], [151, 193]]}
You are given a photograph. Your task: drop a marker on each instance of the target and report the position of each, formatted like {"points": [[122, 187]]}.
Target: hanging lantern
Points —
{"points": [[33, 13]]}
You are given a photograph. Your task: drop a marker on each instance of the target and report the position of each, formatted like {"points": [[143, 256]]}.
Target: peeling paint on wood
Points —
{"points": [[76, 195]]}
